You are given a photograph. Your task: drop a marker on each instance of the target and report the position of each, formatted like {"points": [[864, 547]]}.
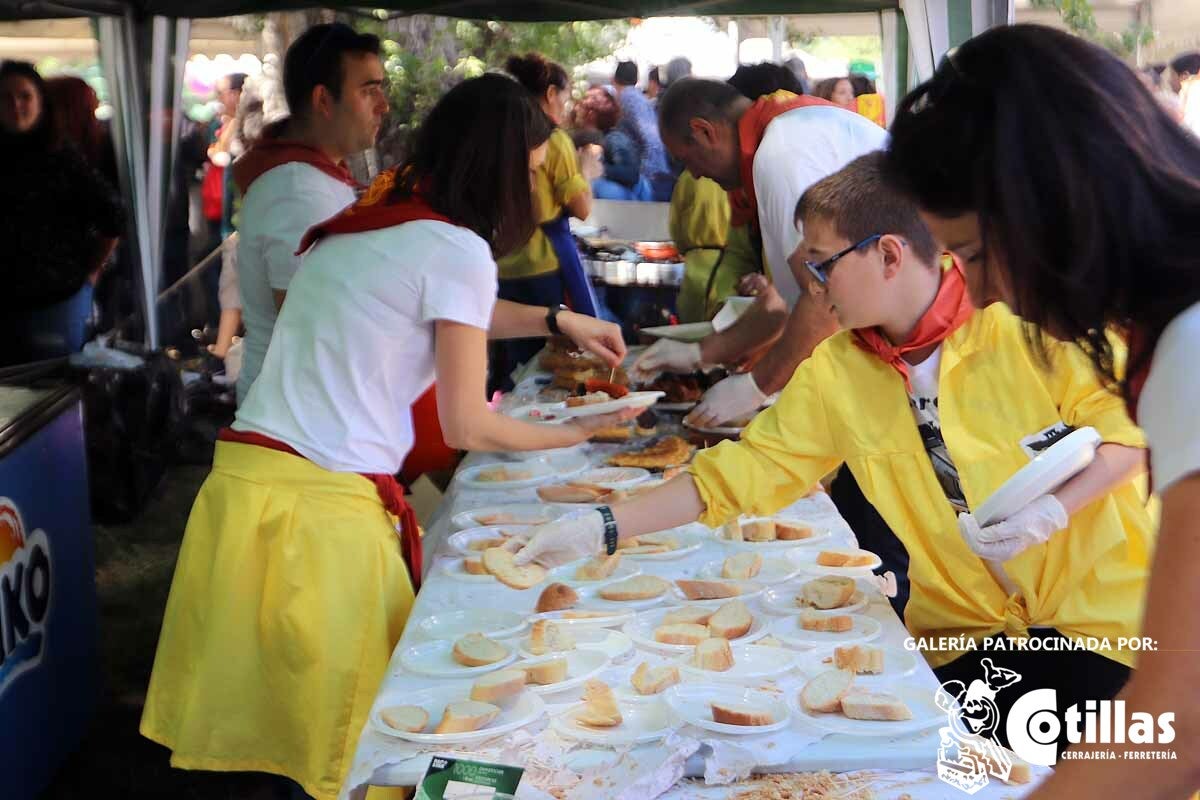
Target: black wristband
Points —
{"points": [[552, 319], [610, 529]]}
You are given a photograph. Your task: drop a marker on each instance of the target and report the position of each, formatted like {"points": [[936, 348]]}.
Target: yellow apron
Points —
{"points": [[846, 405], [289, 596]]}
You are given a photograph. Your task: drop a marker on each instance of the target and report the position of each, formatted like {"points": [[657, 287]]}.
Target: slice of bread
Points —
{"points": [[474, 566], [792, 531], [759, 530], [731, 621], [860, 659], [628, 542], [547, 672], [713, 654], [465, 716], [879, 706], [496, 686], [742, 567], [477, 650], [599, 568], [546, 637], [487, 544], [600, 706], [826, 593], [836, 623], [587, 614], [824, 693], [646, 549], [556, 597], [697, 615], [566, 493], [648, 680], [681, 633], [667, 540], [830, 558], [405, 718], [708, 590], [641, 587], [732, 531], [740, 714], [499, 562]]}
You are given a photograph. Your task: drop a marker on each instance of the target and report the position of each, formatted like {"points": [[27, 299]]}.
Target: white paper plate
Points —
{"points": [[566, 574], [566, 464], [434, 659], [897, 664], [788, 631], [494, 622], [774, 570], [675, 407], [729, 312], [750, 663], [819, 535], [920, 701], [687, 332], [688, 544], [524, 513], [545, 413], [611, 619], [641, 630], [461, 542], [1059, 463], [539, 472], [692, 702], [581, 665], [631, 400], [749, 590], [515, 712], [553, 452], [806, 559], [782, 600], [453, 568], [613, 644], [640, 723], [614, 477]]}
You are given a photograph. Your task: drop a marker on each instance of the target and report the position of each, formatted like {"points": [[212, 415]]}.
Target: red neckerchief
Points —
{"points": [[951, 308], [376, 209], [752, 127], [271, 151], [391, 493]]}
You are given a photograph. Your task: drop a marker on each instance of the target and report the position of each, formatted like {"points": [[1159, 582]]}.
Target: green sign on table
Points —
{"points": [[456, 779]]}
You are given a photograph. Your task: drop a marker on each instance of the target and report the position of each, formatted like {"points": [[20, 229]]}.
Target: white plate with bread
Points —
{"points": [[468, 655], [749, 565], [728, 709], [604, 719], [769, 533], [550, 639], [579, 618], [507, 475], [641, 591], [561, 671], [871, 665], [595, 572], [507, 516], [830, 594], [494, 622], [614, 478], [679, 630], [709, 592], [468, 569], [849, 562], [835, 701], [446, 715], [809, 630], [662, 546], [717, 660], [631, 400], [473, 541]]}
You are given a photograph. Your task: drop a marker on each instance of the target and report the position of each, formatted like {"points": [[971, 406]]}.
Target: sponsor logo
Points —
{"points": [[25, 587]]}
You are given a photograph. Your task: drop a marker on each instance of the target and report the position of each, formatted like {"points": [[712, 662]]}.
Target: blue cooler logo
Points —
{"points": [[24, 595]]}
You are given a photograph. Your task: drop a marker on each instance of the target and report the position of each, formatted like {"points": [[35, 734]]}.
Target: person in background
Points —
{"points": [[1152, 77], [622, 178], [639, 123], [654, 84], [1081, 234], [74, 105], [1186, 68], [839, 91], [678, 68], [867, 100], [59, 221], [800, 71]]}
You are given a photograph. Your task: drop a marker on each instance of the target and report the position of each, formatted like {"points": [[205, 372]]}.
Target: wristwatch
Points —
{"points": [[610, 530], [552, 318]]}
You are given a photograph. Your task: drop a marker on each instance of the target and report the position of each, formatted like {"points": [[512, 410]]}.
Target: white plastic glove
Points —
{"points": [[736, 396], [578, 534], [1004, 540], [667, 355]]}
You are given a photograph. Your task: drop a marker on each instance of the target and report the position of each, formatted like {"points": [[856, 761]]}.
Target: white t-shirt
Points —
{"points": [[923, 399], [279, 207], [1167, 407], [798, 149], [354, 344]]}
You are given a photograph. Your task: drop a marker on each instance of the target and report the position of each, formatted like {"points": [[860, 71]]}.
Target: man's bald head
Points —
{"points": [[698, 122]]}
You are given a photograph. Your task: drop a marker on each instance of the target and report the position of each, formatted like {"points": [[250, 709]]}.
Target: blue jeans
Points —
{"points": [[55, 331]]}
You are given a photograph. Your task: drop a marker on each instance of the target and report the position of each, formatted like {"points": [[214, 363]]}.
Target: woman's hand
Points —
{"points": [[601, 338], [579, 534], [1005, 540], [590, 164]]}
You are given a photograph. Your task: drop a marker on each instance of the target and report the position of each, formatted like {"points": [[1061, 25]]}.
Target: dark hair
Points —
{"points": [[73, 118], [861, 84], [470, 159], [626, 74], [825, 87], [315, 59], [689, 98], [42, 133], [860, 201], [756, 80], [653, 75], [237, 80], [1186, 62], [1080, 178], [536, 73], [599, 109], [585, 136]]}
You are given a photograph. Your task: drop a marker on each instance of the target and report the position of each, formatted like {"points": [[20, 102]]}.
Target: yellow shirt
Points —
{"points": [[846, 405], [556, 182]]}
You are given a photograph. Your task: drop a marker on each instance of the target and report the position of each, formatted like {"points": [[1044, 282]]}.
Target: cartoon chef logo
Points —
{"points": [[969, 751], [25, 572]]}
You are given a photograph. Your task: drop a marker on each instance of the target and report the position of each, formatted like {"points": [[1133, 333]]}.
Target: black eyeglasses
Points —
{"points": [[821, 270]]}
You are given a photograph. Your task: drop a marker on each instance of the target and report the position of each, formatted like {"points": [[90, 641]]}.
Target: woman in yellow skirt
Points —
{"points": [[292, 586]]}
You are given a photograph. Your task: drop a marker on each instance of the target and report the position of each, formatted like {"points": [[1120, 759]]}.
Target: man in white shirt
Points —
{"points": [[295, 176], [701, 123]]}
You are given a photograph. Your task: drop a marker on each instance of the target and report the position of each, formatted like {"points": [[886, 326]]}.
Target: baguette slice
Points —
{"points": [[879, 706], [824, 693], [742, 567], [646, 549], [792, 531], [587, 614], [759, 530], [600, 706], [477, 650], [681, 633], [713, 654], [859, 659], [829, 558], [740, 714], [826, 593], [499, 562], [556, 597], [838, 623], [546, 637], [474, 566], [647, 680], [731, 621], [547, 672], [487, 544], [667, 540], [599, 568], [641, 587], [498, 685], [465, 716], [732, 531], [625, 544], [708, 590], [566, 493], [696, 615], [405, 718]]}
